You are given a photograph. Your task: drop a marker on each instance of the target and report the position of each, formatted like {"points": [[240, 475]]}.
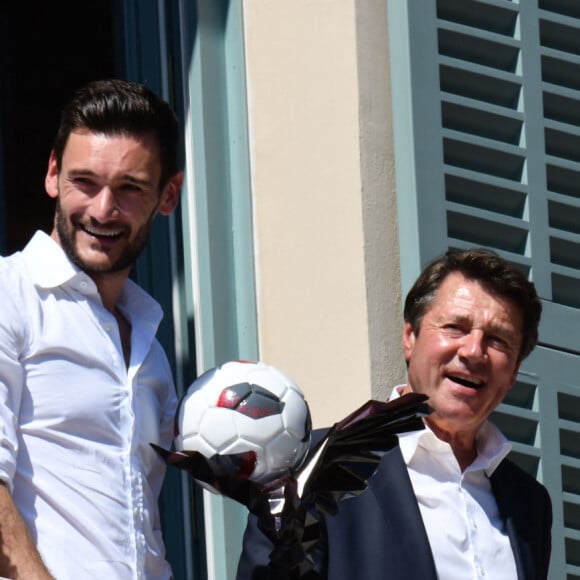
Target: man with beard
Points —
{"points": [[84, 384]]}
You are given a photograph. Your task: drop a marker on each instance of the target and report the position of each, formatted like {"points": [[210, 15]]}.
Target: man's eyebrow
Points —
{"points": [[455, 317], [503, 327], [126, 177], [80, 172]]}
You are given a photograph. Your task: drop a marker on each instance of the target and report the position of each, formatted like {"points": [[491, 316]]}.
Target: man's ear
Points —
{"points": [[408, 340], [170, 194], [51, 179]]}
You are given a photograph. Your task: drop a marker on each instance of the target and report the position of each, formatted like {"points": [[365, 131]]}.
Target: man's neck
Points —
{"points": [[462, 444], [110, 286]]}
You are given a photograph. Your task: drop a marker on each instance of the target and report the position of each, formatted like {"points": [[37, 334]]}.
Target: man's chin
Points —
{"points": [[102, 258], [100, 264]]}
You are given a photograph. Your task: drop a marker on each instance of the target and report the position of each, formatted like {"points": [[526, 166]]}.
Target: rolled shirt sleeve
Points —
{"points": [[11, 377]]}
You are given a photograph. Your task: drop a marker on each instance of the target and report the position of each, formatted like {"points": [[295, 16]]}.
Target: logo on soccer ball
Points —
{"points": [[250, 400]]}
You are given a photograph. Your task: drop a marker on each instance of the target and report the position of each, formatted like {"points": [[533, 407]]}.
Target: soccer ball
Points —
{"points": [[250, 409]]}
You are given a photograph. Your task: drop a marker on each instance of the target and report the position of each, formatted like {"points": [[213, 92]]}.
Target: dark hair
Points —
{"points": [[494, 273], [119, 107]]}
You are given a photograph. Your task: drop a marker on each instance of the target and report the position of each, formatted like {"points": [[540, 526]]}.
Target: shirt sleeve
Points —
{"points": [[168, 410], [11, 379]]}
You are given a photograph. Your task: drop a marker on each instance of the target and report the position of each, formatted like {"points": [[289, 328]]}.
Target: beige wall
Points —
{"points": [[323, 196]]}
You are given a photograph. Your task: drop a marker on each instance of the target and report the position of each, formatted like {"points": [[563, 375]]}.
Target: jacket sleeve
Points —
{"points": [[256, 549]]}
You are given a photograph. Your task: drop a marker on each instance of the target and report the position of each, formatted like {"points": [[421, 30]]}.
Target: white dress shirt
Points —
{"points": [[76, 423], [460, 513]]}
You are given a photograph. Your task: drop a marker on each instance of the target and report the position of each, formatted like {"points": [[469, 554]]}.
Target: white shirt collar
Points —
{"points": [[492, 445], [49, 267], [47, 263]]}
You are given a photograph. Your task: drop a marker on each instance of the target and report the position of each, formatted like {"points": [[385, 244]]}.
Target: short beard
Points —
{"points": [[66, 235]]}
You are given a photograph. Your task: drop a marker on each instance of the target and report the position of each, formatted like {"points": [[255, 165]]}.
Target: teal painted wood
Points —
{"points": [[219, 225], [221, 183]]}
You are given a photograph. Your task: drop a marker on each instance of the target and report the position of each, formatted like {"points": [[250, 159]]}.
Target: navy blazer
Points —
{"points": [[380, 535]]}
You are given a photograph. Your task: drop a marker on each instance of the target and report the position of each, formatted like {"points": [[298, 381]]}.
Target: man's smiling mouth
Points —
{"points": [[473, 382], [102, 232]]}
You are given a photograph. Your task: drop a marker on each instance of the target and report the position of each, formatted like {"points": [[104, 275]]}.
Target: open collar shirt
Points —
{"points": [[465, 529], [76, 422]]}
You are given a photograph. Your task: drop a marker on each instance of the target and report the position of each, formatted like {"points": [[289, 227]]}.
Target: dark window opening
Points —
{"points": [[47, 50]]}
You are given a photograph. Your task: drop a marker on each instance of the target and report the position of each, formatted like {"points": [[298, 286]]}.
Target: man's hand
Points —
{"points": [[19, 558]]}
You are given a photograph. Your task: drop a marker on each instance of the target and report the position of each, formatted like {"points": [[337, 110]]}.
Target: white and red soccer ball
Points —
{"points": [[250, 409]]}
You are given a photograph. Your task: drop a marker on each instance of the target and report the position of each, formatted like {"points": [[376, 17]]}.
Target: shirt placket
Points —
{"points": [[132, 476], [137, 495], [471, 528]]}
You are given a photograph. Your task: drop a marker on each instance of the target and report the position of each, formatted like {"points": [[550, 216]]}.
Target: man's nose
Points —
{"points": [[473, 345], [104, 203]]}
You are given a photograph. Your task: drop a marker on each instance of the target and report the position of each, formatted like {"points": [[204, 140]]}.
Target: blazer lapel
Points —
{"points": [[394, 494], [509, 498]]}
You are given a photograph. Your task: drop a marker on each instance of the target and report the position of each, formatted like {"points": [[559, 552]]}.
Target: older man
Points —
{"points": [[446, 503]]}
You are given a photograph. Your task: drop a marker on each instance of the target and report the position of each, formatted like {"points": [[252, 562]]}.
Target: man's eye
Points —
{"points": [[131, 188], [500, 342], [82, 181], [453, 329]]}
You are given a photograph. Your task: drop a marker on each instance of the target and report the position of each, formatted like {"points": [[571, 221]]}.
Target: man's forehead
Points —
{"points": [[466, 295]]}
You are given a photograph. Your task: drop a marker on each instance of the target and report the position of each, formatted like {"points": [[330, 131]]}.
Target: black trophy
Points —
{"points": [[337, 467]]}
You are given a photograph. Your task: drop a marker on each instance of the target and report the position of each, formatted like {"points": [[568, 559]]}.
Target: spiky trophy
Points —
{"points": [[289, 508]]}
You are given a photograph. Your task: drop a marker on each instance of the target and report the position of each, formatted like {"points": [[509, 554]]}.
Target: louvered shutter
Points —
{"points": [[495, 122]]}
